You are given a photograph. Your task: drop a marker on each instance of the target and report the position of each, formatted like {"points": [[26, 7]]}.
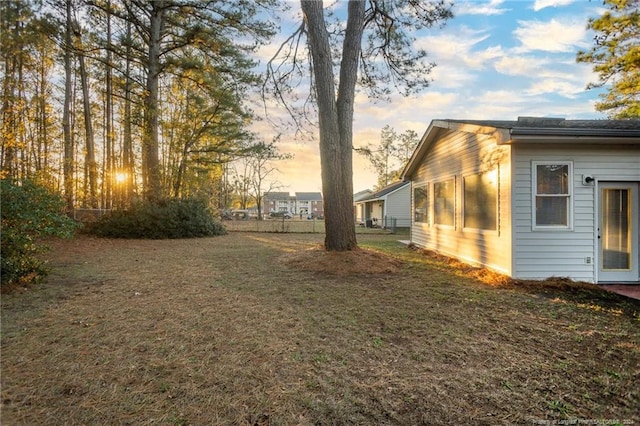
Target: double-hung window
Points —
{"points": [[420, 204], [552, 192], [444, 202], [480, 208]]}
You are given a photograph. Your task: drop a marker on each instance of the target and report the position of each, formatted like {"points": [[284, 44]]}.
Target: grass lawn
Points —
{"points": [[224, 331]]}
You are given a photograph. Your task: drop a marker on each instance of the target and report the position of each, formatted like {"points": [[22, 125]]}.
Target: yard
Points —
{"points": [[295, 225], [261, 329]]}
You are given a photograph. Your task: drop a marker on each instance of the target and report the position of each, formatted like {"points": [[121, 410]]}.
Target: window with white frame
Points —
{"points": [[444, 202], [480, 208], [552, 194], [421, 204]]}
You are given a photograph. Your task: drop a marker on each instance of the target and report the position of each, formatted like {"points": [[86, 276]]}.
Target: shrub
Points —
{"points": [[169, 218], [29, 212]]}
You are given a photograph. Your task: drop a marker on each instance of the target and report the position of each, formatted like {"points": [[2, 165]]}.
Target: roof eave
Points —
{"points": [[501, 135], [572, 135]]}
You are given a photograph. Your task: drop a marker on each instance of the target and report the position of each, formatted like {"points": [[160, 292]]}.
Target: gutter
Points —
{"points": [[571, 135]]}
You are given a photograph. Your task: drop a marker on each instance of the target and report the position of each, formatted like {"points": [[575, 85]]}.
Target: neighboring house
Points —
{"points": [[532, 198], [389, 207], [277, 202], [302, 204], [358, 208], [308, 204]]}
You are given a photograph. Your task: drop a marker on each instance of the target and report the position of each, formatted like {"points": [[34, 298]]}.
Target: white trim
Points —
{"points": [[632, 275], [534, 194], [427, 212]]}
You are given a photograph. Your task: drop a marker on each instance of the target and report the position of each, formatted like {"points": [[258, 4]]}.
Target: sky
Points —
{"points": [[495, 60]]}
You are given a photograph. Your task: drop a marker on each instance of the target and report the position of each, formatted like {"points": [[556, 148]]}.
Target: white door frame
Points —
{"points": [[632, 274]]}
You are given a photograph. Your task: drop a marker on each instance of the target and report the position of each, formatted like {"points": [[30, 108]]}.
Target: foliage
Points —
{"points": [[202, 65], [616, 58], [166, 218], [29, 211], [392, 153]]}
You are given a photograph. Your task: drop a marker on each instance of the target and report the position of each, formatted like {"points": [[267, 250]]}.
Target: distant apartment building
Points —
{"points": [[303, 204]]}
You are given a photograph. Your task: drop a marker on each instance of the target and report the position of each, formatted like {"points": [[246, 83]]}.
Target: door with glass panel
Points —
{"points": [[618, 232]]}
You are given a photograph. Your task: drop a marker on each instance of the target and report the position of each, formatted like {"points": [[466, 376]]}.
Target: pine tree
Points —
{"points": [[616, 58]]}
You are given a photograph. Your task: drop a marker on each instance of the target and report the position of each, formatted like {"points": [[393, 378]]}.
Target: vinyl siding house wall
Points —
{"points": [[389, 204], [532, 198]]}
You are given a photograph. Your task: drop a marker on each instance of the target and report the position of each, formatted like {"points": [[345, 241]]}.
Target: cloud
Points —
{"points": [[556, 35], [536, 67], [479, 8], [456, 55], [542, 4], [561, 88], [519, 65], [457, 45]]}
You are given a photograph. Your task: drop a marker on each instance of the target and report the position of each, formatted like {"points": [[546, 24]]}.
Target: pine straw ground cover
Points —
{"points": [[264, 329]]}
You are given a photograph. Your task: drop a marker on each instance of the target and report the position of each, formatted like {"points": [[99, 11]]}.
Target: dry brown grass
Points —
{"points": [[234, 330]]}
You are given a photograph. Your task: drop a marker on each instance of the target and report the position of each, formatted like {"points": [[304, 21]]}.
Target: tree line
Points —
{"points": [[110, 101]]}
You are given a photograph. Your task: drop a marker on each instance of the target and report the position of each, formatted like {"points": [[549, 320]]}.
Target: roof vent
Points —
{"points": [[540, 121]]}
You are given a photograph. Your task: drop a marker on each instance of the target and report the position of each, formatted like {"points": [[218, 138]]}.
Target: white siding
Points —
{"points": [[398, 206], [540, 254], [455, 155]]}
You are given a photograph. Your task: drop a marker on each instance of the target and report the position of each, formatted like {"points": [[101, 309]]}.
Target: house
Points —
{"points": [[308, 204], [387, 207], [273, 202], [532, 198], [304, 204], [358, 208]]}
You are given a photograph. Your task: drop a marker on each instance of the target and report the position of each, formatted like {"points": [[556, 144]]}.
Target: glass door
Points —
{"points": [[618, 232]]}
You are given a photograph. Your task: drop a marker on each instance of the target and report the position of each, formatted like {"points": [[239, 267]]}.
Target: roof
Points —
{"points": [[309, 196], [532, 130], [389, 189], [358, 196], [549, 126], [277, 195]]}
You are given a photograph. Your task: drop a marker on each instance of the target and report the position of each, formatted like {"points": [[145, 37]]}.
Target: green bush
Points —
{"points": [[170, 218], [29, 212]]}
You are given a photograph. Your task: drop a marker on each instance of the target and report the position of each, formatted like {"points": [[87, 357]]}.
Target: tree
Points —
{"points": [[616, 58], [260, 168], [391, 154], [18, 36], [206, 120], [165, 29], [253, 169], [66, 115], [386, 59]]}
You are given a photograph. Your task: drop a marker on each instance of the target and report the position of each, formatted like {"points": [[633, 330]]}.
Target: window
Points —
{"points": [[481, 201], [420, 203], [444, 202], [552, 194]]}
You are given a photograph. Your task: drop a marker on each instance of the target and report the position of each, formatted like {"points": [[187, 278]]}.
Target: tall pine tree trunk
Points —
{"points": [[127, 140], [90, 155], [153, 189], [109, 157], [336, 119], [67, 168]]}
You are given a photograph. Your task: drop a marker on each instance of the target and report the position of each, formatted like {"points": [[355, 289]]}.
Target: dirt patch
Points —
{"points": [[343, 263]]}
